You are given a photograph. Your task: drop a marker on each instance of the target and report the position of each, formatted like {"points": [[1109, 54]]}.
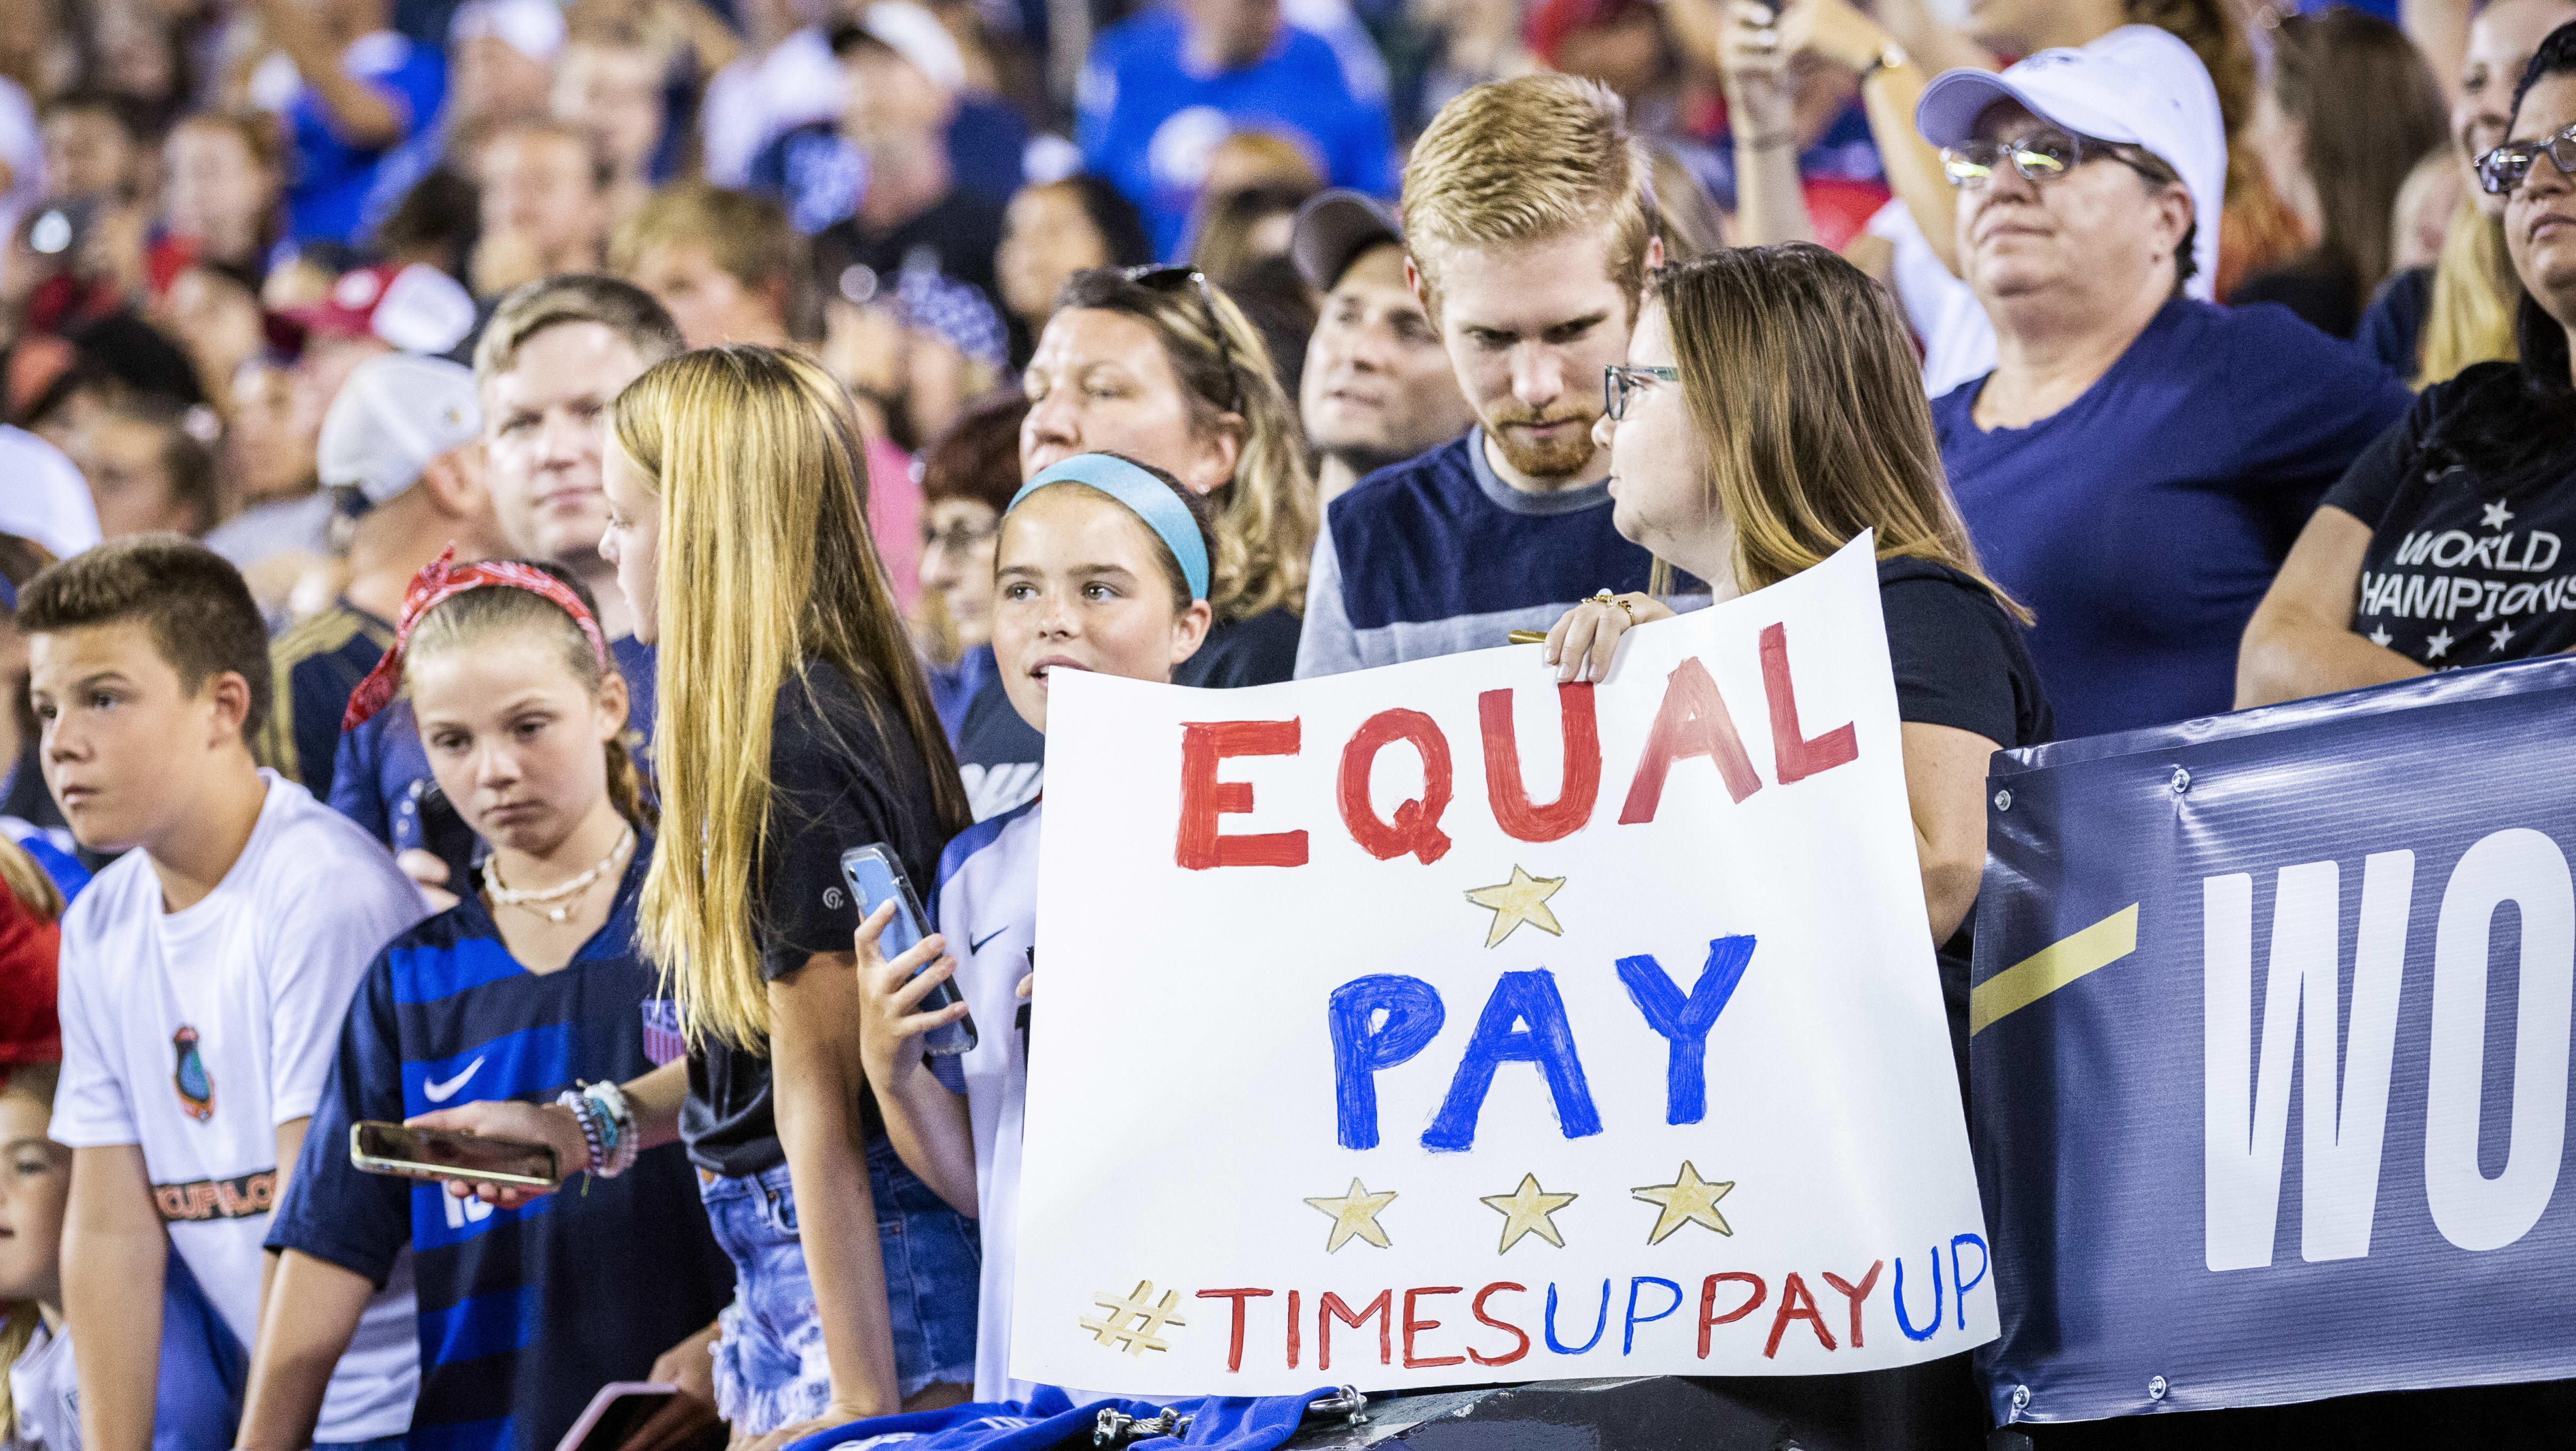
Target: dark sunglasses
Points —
{"points": [[2503, 169], [1175, 279], [2042, 156], [1623, 381]]}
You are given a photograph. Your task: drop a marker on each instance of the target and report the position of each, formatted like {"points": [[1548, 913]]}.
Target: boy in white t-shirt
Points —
{"points": [[203, 975]]}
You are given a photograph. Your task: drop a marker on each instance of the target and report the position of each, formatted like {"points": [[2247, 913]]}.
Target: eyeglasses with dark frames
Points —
{"points": [[1173, 279], [958, 538], [2503, 169], [1622, 381], [2042, 156]]}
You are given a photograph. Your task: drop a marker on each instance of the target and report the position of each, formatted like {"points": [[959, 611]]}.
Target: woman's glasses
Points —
{"points": [[1621, 382], [959, 538], [1174, 279], [2503, 169], [2042, 156]]}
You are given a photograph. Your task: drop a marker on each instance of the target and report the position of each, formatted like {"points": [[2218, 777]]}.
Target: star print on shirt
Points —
{"points": [[2380, 637], [2500, 634], [2497, 514], [2439, 645]]}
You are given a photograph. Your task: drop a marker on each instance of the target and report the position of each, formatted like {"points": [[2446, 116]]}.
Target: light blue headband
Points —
{"points": [[1148, 497]]}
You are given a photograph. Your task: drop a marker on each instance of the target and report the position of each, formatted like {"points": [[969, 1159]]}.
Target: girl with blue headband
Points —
{"points": [[1102, 565]]}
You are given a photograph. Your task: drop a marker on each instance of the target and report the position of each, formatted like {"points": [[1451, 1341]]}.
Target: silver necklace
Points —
{"points": [[504, 897]]}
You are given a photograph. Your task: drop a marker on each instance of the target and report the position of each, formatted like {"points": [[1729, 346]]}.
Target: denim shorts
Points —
{"points": [[770, 1368]]}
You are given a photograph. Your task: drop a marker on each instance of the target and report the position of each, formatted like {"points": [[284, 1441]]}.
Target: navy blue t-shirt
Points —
{"points": [[315, 667], [2143, 522], [376, 765], [1438, 554], [524, 1313]]}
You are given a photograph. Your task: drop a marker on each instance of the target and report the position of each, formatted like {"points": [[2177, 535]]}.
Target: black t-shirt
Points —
{"points": [[2467, 562], [1960, 661], [839, 776], [960, 232]]}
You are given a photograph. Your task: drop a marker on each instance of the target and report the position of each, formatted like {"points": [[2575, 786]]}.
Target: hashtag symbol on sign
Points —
{"points": [[1112, 1328]]}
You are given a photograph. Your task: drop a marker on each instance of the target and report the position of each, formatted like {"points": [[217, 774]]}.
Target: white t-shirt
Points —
{"points": [[44, 1393], [195, 1034], [988, 908]]}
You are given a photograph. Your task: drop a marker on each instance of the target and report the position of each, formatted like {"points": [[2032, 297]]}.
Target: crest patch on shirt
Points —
{"points": [[196, 1086]]}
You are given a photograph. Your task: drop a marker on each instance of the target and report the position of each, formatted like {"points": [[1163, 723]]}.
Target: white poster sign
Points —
{"points": [[1435, 1024]]}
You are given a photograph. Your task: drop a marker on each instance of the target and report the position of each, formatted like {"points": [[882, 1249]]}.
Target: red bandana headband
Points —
{"points": [[439, 582]]}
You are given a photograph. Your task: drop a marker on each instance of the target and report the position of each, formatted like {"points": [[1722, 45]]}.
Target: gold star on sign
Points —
{"points": [[1355, 1213], [1522, 899], [1689, 1199], [1525, 1211]]}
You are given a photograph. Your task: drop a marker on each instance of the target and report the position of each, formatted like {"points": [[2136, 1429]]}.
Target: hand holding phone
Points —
{"points": [[447, 1154], [875, 880]]}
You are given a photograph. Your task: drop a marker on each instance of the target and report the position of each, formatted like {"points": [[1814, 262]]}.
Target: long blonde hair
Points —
{"points": [[2474, 296], [1266, 517], [766, 563], [1801, 385]]}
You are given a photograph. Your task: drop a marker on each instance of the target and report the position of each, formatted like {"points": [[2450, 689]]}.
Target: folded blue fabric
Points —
{"points": [[1049, 1419]]}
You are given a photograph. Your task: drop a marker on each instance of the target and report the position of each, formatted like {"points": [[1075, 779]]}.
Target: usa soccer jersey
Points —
{"points": [[523, 1312]]}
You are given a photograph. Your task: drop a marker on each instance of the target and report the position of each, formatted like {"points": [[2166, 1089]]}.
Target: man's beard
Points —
{"points": [[1561, 457]]}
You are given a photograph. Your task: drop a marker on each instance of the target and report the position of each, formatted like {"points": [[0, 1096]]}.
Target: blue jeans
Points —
{"points": [[770, 1368]]}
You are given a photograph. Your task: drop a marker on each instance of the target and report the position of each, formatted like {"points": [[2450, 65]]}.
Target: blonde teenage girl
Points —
{"points": [[793, 725]]}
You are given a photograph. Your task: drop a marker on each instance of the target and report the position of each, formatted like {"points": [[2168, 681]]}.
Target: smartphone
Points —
{"points": [[425, 819], [409, 1153], [874, 879], [620, 1410]]}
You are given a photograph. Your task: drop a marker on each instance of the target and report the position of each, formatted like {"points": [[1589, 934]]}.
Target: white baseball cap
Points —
{"points": [[533, 28], [392, 419], [2137, 85], [911, 31]]}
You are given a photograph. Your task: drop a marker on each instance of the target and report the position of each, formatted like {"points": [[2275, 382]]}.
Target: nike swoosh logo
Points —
{"points": [[442, 1092], [974, 947]]}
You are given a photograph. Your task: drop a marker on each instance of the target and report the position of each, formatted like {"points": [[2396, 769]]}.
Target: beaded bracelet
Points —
{"points": [[586, 1114], [619, 1141]]}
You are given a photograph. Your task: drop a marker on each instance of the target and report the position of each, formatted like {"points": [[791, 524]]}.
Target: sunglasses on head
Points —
{"points": [[1176, 279], [2501, 170]]}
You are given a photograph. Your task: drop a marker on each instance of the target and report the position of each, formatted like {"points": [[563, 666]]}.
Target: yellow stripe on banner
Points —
{"points": [[2053, 967]]}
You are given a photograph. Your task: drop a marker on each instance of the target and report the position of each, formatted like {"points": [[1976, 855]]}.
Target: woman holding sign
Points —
{"points": [[1102, 565], [1770, 411]]}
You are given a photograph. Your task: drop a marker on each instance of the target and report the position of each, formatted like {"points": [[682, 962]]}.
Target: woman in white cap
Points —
{"points": [[2444, 544], [2136, 464]]}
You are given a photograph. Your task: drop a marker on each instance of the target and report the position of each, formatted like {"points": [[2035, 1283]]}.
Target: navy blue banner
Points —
{"points": [[2270, 1047]]}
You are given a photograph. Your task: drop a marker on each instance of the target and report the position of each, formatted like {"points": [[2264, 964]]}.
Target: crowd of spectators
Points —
{"points": [[2184, 355]]}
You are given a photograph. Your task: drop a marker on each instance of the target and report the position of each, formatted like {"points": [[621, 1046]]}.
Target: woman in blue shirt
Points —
{"points": [[2137, 463], [529, 987]]}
